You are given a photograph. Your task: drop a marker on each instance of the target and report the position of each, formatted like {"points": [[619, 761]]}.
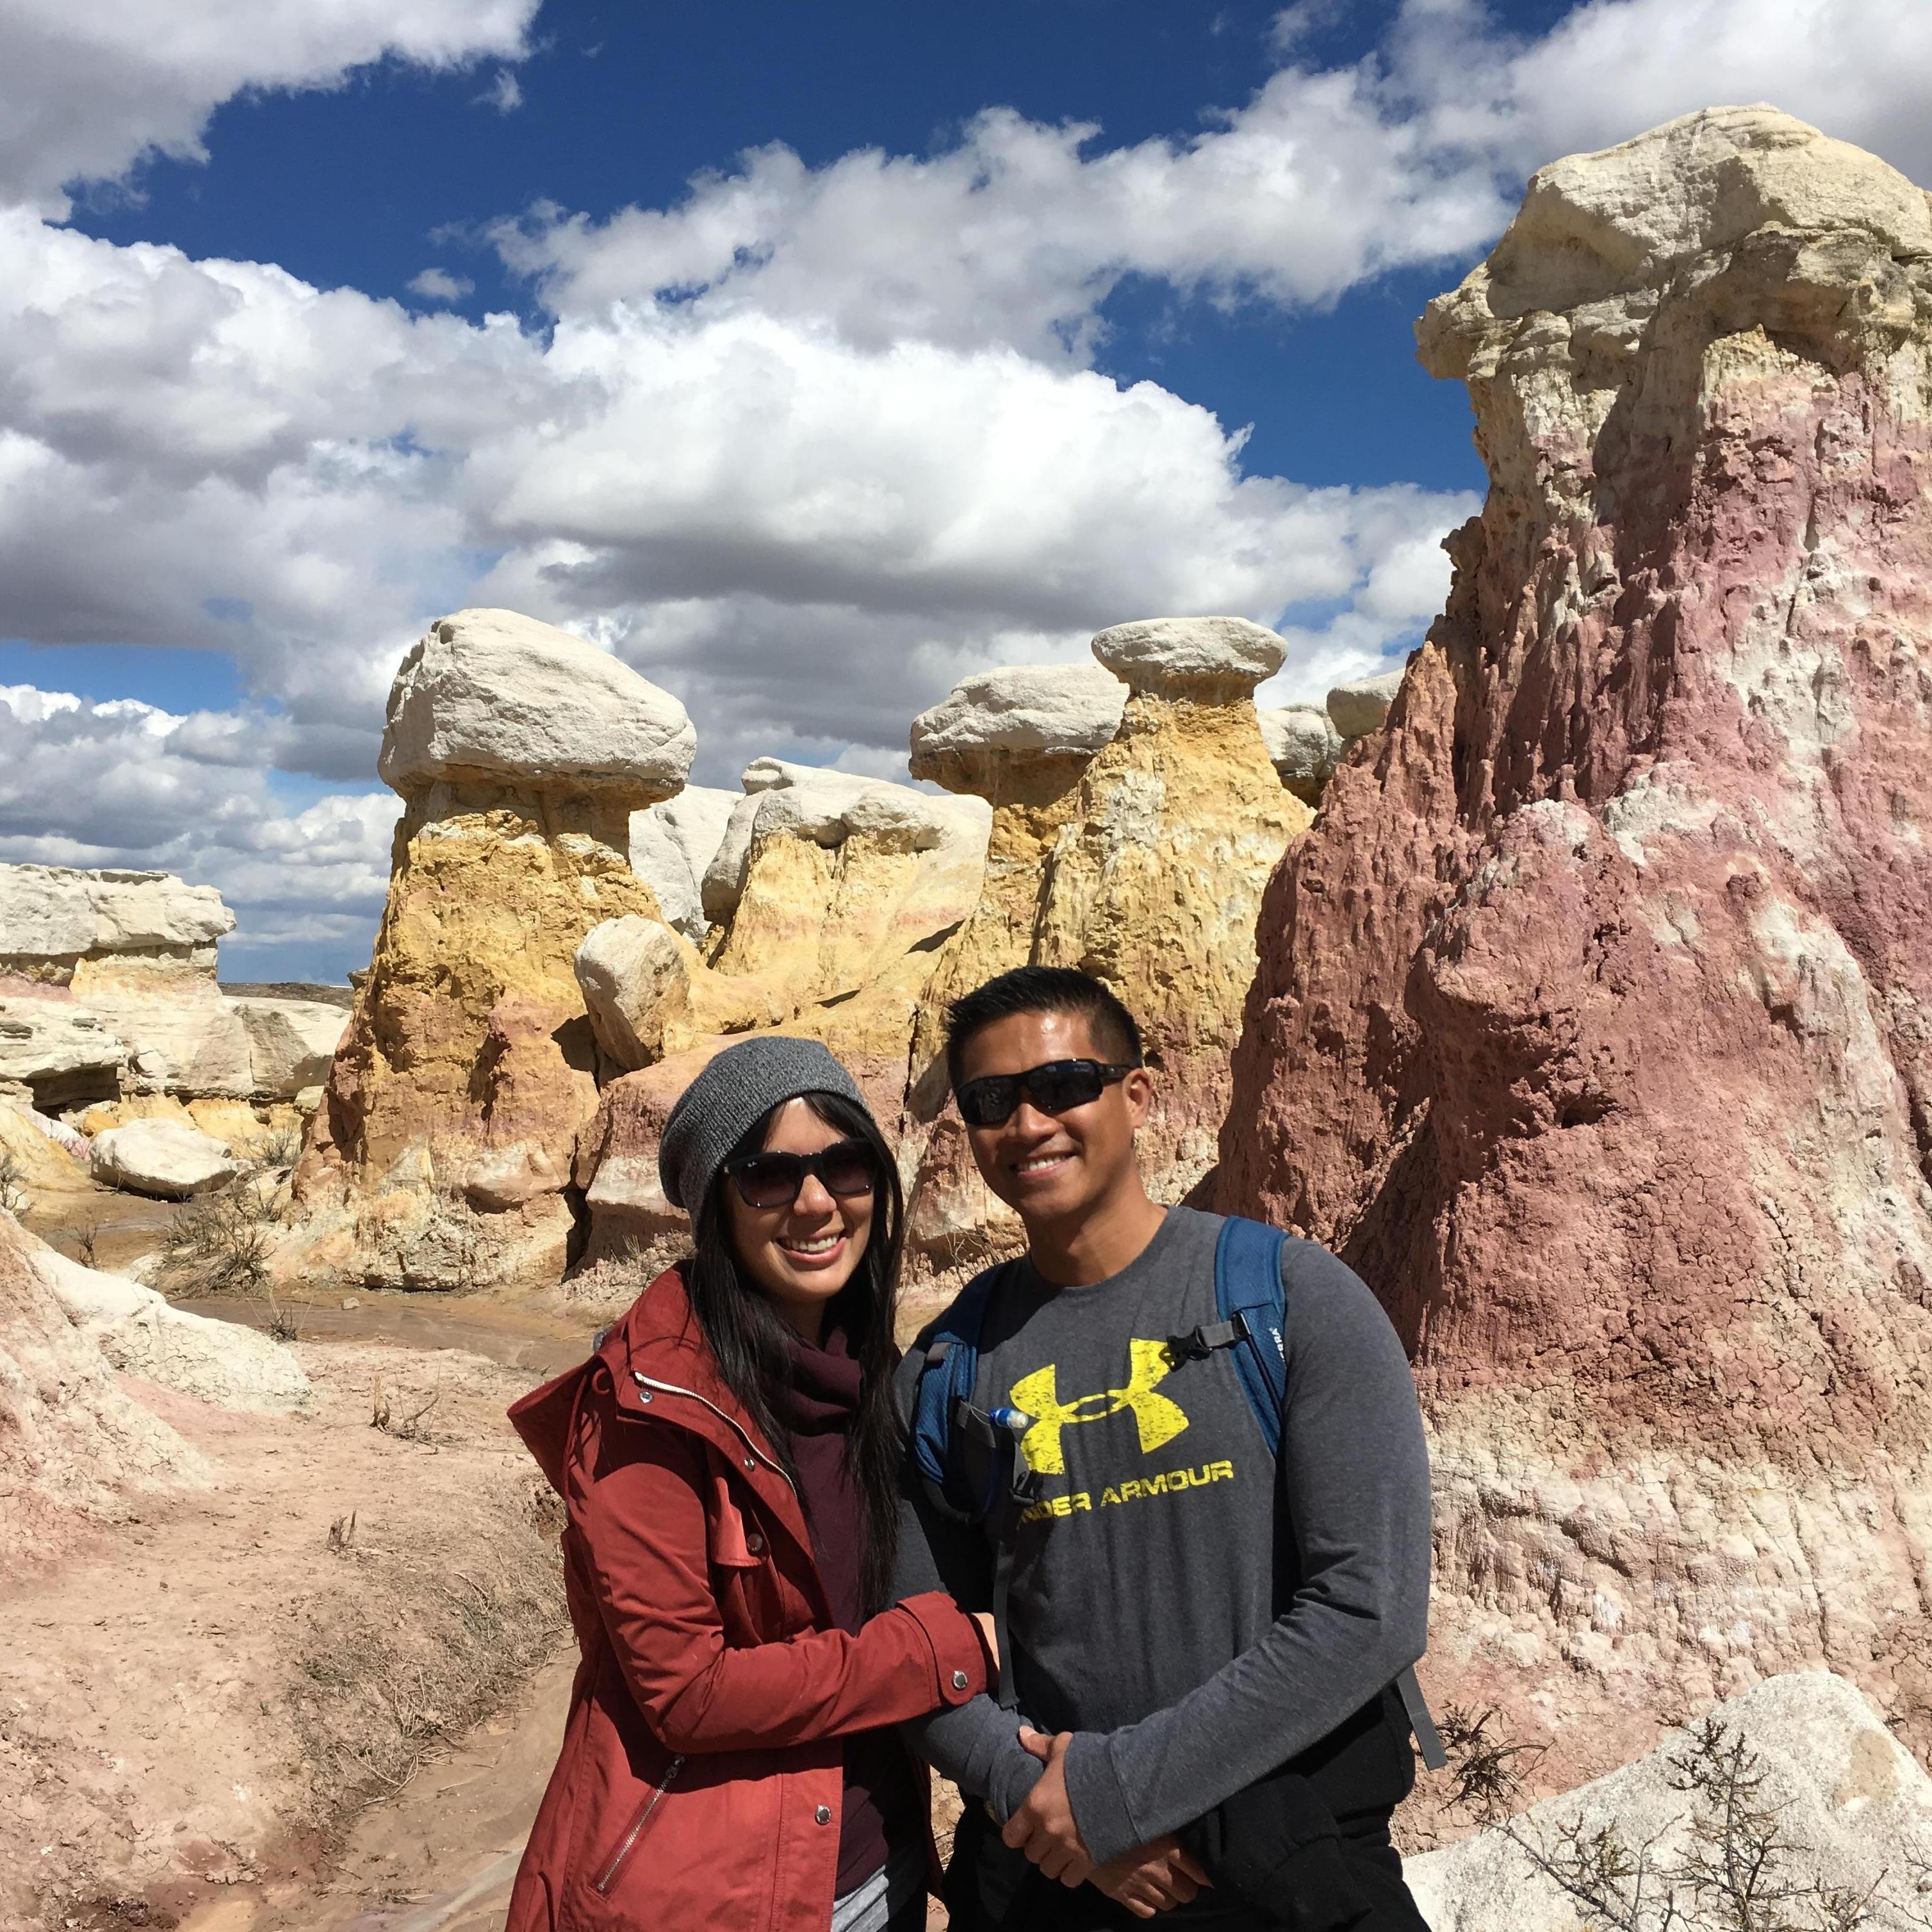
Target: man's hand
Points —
{"points": [[1154, 1878], [1043, 1826]]}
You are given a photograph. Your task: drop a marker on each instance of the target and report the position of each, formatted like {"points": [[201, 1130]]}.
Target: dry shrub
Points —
{"points": [[14, 1196], [1734, 1871], [219, 1243], [418, 1655]]}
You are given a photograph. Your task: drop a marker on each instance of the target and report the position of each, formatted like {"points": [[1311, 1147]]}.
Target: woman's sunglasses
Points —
{"points": [[1055, 1088], [845, 1169]]}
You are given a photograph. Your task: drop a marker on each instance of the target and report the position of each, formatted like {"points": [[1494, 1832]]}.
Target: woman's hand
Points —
{"points": [[989, 1636], [1152, 1878]]}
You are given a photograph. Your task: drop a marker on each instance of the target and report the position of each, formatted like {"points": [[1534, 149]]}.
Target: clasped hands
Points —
{"points": [[1151, 1878]]}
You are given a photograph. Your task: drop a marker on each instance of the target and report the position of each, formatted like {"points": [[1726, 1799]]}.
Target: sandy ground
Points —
{"points": [[191, 1701]]}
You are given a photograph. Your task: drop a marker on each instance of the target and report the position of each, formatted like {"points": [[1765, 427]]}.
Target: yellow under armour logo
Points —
{"points": [[1158, 1419]]}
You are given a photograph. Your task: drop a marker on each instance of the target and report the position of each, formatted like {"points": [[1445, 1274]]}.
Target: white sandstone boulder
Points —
{"points": [[495, 695], [291, 1042], [61, 913], [162, 1158], [1178, 656], [1850, 1803], [672, 845], [1302, 745], [1019, 712], [1358, 708], [629, 969], [141, 1332], [60, 1052]]}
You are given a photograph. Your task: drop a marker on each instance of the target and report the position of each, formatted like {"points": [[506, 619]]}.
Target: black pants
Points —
{"points": [[991, 1888]]}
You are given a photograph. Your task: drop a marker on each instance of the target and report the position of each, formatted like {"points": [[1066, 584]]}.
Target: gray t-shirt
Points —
{"points": [[1144, 1614]]}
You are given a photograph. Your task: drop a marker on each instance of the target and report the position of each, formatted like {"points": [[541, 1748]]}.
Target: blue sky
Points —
{"points": [[807, 356]]}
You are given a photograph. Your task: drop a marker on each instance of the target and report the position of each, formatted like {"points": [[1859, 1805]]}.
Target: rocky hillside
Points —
{"points": [[1593, 1020]]}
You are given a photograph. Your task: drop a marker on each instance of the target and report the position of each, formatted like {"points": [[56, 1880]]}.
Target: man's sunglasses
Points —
{"points": [[845, 1169], [1054, 1088]]}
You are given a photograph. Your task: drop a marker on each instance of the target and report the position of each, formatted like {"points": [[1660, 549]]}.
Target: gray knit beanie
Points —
{"points": [[738, 1087]]}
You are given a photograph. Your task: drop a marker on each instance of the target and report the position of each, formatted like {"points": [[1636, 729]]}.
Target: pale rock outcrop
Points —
{"points": [[1122, 854], [52, 917], [837, 894], [1593, 1019], [1018, 737], [74, 1447], [1853, 1813], [441, 1156], [45, 1157], [1358, 709], [1302, 745], [843, 877], [53, 1051], [672, 845], [291, 1043], [163, 1158], [140, 1332], [137, 951]]}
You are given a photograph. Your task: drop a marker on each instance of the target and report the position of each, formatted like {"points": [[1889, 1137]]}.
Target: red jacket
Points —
{"points": [[699, 1786]]}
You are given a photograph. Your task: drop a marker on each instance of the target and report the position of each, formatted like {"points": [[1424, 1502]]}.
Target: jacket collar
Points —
{"points": [[661, 1369]]}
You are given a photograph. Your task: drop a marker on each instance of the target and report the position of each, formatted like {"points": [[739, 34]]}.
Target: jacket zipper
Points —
{"points": [[671, 1388], [602, 1886]]}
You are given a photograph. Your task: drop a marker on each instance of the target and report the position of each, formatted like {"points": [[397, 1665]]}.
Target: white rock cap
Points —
{"points": [[1021, 711], [814, 802], [493, 693], [1595, 227], [1302, 745], [1174, 655], [1358, 708], [59, 912]]}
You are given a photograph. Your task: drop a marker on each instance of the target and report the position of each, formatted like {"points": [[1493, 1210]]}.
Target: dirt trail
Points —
{"points": [[440, 1855]]}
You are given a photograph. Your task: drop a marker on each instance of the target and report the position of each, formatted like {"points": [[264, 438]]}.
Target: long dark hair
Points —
{"points": [[752, 1345]]}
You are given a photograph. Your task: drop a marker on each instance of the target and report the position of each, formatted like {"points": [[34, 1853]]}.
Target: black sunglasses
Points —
{"points": [[845, 1169], [1055, 1088]]}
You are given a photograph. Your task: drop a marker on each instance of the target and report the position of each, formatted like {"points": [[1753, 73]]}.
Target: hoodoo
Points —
{"points": [[444, 1148], [1592, 1019]]}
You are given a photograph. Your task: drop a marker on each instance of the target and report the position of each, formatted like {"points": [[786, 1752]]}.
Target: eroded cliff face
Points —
{"points": [[442, 1153], [1593, 1020]]}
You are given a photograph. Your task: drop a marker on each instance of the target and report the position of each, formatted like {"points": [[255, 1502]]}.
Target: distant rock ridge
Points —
{"points": [[1594, 1018]]}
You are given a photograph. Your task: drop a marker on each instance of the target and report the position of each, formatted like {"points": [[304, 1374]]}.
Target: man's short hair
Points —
{"points": [[1043, 989]]}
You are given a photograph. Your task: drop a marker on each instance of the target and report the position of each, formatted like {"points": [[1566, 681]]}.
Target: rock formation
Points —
{"points": [[74, 1447], [672, 845], [141, 1332], [1304, 746], [441, 1155], [1852, 1812], [165, 1158], [835, 895], [1594, 1021], [137, 951], [1356, 709], [1134, 845]]}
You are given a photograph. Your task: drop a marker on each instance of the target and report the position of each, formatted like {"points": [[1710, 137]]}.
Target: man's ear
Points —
{"points": [[1137, 1089]]}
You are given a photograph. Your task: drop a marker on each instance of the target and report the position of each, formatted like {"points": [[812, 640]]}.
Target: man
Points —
{"points": [[1202, 1635]]}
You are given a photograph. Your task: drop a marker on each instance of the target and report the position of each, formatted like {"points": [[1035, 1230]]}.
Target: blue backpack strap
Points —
{"points": [[945, 1379], [1249, 1299], [1247, 1290]]}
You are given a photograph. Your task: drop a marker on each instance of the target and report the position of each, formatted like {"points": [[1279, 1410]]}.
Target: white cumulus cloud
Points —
{"points": [[87, 91]]}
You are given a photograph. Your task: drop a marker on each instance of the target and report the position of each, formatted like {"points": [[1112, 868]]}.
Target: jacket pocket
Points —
{"points": [[613, 1867]]}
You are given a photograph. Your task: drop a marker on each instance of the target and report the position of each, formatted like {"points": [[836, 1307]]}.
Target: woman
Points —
{"points": [[729, 1458]]}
